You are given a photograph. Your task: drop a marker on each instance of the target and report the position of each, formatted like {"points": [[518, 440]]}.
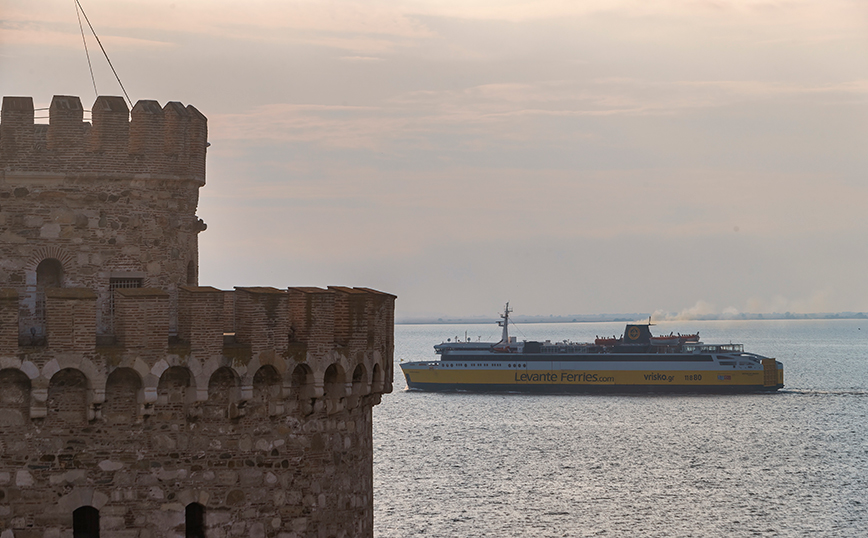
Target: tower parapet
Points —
{"points": [[149, 141], [143, 336]]}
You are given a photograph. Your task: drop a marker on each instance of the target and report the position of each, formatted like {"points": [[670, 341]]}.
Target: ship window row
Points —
{"points": [[485, 365], [480, 364], [566, 348], [739, 363], [719, 348]]}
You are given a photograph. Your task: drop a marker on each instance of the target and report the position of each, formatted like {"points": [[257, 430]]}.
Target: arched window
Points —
{"points": [[67, 397], [49, 274], [302, 389], [267, 386], [333, 382], [359, 379], [377, 381], [191, 274], [195, 521], [222, 394], [174, 394], [14, 397], [122, 396], [85, 522]]}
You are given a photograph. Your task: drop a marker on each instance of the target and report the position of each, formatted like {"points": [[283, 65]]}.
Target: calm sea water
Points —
{"points": [[793, 463]]}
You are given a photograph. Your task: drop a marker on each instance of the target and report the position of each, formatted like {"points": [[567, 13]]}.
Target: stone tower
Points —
{"points": [[103, 206], [133, 401]]}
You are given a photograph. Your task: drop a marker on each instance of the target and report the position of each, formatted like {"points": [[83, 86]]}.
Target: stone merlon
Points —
{"points": [[150, 141]]}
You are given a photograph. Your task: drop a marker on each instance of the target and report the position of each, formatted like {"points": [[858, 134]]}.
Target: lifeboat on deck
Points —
{"points": [[674, 339]]}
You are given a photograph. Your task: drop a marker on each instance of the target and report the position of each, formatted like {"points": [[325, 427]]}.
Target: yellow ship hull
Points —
{"points": [[442, 376]]}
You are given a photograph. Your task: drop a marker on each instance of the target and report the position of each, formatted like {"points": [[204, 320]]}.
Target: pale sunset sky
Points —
{"points": [[571, 157]]}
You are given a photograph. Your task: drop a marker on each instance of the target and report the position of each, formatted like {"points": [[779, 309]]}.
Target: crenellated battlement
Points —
{"points": [[300, 333], [150, 140]]}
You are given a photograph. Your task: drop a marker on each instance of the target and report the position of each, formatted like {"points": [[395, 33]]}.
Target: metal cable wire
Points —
{"points": [[104, 54], [86, 53]]}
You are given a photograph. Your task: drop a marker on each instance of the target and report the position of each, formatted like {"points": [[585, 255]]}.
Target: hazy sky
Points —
{"points": [[568, 156]]}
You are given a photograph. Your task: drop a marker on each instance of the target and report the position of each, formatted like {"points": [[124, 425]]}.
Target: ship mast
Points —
{"points": [[505, 324]]}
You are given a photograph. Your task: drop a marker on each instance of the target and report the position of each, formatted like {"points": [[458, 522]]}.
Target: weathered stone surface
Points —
{"points": [[107, 465], [128, 388]]}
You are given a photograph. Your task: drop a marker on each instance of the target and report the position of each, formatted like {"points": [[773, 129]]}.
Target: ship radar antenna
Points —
{"points": [[505, 323]]}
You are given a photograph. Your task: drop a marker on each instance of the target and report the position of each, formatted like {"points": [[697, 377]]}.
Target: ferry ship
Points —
{"points": [[635, 362]]}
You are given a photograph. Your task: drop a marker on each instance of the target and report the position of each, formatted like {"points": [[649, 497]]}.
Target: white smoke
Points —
{"points": [[730, 312], [698, 311]]}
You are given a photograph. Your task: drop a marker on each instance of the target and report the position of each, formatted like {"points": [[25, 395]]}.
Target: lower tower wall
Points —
{"points": [[251, 439]]}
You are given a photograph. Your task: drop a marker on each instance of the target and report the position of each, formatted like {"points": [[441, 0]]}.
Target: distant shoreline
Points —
{"points": [[627, 318]]}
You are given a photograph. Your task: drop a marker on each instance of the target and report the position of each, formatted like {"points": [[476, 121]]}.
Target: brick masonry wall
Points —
{"points": [[8, 322], [200, 319], [261, 318], [141, 319], [70, 320], [254, 404]]}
